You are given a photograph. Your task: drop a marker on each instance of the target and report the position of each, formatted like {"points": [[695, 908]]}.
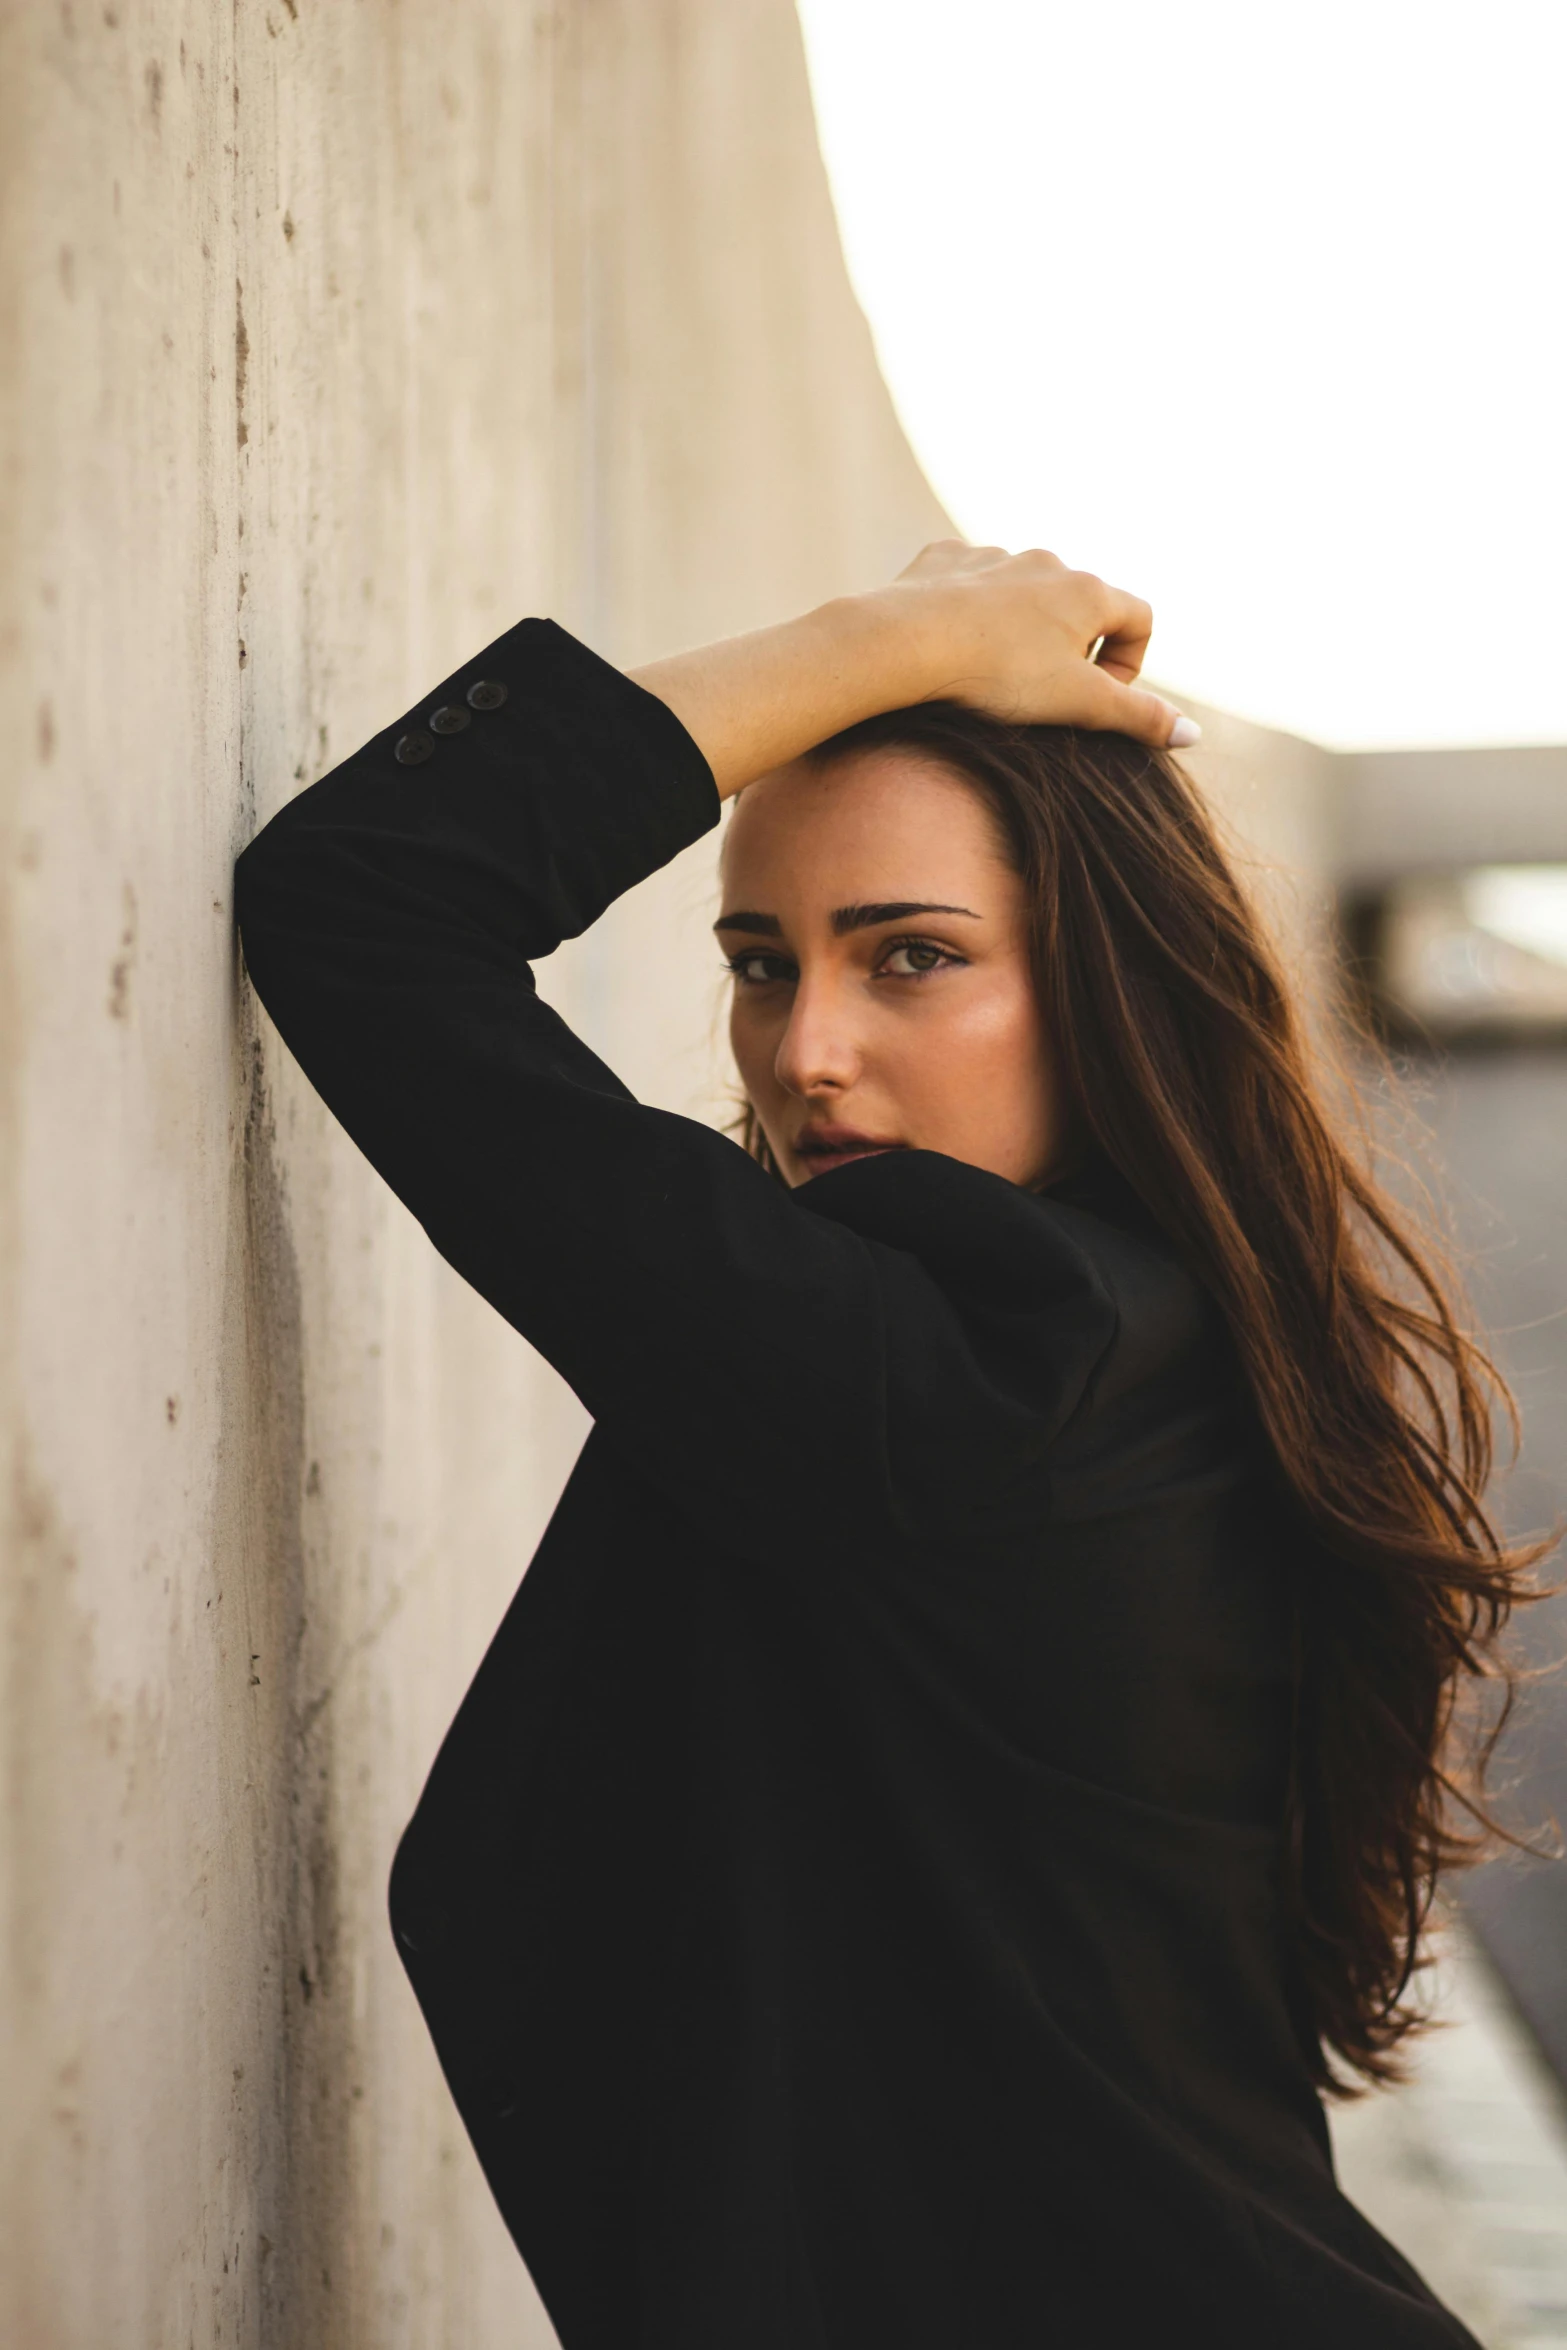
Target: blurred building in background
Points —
{"points": [[332, 339], [1447, 871]]}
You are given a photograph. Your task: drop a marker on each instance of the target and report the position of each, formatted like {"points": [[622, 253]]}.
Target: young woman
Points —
{"points": [[969, 1763]]}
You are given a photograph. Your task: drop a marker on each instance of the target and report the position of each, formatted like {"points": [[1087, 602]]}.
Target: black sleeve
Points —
{"points": [[780, 1373]]}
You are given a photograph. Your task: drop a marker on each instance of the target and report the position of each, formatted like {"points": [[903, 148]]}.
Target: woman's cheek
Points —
{"points": [[753, 1041], [1001, 1020]]}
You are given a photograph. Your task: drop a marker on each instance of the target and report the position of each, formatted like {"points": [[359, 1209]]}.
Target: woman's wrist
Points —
{"points": [[881, 650]]}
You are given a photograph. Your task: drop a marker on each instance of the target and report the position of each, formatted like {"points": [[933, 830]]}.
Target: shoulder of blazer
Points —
{"points": [[974, 1232], [1168, 1326], [1086, 1268], [1021, 1274]]}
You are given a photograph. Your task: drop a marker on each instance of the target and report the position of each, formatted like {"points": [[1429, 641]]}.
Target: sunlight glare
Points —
{"points": [[1256, 310]]}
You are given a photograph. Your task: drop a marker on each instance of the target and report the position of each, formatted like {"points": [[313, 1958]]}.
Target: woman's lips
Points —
{"points": [[822, 1147]]}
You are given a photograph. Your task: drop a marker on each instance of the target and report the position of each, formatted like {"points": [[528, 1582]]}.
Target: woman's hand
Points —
{"points": [[1018, 634], [1012, 634]]}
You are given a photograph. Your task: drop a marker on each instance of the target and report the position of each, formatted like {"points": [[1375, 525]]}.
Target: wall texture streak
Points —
{"points": [[334, 335]]}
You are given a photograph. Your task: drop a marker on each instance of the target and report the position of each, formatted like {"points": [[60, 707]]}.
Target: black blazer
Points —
{"points": [[845, 1905]]}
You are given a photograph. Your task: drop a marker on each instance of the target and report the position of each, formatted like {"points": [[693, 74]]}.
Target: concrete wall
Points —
{"points": [[334, 334]]}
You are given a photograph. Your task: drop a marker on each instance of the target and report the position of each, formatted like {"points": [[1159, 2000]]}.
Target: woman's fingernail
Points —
{"points": [[1184, 733]]}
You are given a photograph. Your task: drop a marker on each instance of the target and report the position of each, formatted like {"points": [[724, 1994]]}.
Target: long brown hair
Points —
{"points": [[1189, 1070]]}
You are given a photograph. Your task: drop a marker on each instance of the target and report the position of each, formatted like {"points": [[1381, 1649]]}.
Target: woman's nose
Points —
{"points": [[818, 1052]]}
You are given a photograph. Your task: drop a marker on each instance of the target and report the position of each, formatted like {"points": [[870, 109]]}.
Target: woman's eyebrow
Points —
{"points": [[845, 918], [768, 925]]}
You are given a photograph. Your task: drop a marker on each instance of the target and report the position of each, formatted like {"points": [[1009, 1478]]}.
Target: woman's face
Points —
{"points": [[883, 996]]}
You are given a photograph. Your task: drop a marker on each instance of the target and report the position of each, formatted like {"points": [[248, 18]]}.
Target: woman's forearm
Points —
{"points": [[1018, 635], [752, 703]]}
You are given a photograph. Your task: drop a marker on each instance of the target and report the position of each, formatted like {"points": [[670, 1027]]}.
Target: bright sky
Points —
{"points": [[1254, 306]]}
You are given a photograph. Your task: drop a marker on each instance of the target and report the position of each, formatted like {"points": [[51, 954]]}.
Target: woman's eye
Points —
{"points": [[758, 970], [915, 958]]}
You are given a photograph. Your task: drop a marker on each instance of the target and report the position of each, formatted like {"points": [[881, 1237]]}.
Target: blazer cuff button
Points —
{"points": [[413, 749], [450, 718], [486, 693]]}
